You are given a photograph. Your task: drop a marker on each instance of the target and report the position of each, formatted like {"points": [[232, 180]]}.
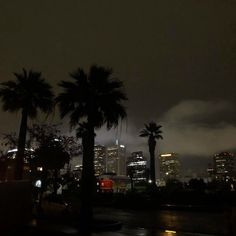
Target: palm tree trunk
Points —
{"points": [[21, 145], [152, 145], [87, 181], [55, 181]]}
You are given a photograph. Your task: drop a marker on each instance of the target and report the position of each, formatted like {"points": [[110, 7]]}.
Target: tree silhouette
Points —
{"points": [[153, 132], [51, 156], [9, 140], [95, 99], [28, 94], [52, 153]]}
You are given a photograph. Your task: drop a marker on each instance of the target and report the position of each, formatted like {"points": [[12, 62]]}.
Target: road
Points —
{"points": [[166, 222]]}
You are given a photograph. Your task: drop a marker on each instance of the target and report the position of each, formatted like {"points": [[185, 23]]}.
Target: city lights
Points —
{"points": [[170, 232], [166, 155]]}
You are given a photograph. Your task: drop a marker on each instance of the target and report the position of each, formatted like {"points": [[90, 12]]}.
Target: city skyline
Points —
{"points": [[177, 62]]}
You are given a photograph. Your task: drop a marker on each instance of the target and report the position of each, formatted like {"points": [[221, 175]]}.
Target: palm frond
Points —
{"points": [[28, 90], [94, 92], [151, 130], [144, 133]]}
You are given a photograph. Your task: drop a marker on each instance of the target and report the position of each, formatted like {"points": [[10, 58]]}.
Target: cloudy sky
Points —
{"points": [[177, 60]]}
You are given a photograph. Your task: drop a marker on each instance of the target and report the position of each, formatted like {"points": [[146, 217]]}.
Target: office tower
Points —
{"points": [[224, 165], [169, 166], [76, 162], [99, 160], [137, 167], [115, 159], [210, 171]]}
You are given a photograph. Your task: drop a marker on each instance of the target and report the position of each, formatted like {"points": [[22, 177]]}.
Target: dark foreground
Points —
{"points": [[169, 222], [143, 223]]}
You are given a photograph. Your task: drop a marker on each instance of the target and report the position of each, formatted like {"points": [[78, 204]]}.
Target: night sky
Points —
{"points": [[177, 60]]}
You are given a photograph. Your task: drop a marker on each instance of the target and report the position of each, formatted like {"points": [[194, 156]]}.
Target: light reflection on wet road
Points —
{"points": [[165, 223], [145, 232]]}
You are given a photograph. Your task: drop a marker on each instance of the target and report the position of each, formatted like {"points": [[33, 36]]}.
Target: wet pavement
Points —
{"points": [[148, 232], [148, 223], [166, 222]]}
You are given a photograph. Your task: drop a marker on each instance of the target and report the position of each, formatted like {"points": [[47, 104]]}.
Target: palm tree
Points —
{"points": [[153, 132], [28, 94], [94, 99]]}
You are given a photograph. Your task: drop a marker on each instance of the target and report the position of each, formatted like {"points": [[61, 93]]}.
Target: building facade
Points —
{"points": [[137, 167], [115, 159], [169, 166], [99, 160], [224, 166]]}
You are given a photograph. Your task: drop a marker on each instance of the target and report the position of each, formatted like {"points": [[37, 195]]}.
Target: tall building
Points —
{"points": [[137, 167], [99, 160], [224, 165], [169, 166], [9, 162], [115, 159], [210, 171], [106, 160], [76, 162]]}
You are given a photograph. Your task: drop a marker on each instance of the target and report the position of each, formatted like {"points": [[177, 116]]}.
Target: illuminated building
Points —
{"points": [[110, 159], [77, 171], [113, 183], [10, 162], [76, 162], [11, 154], [210, 171], [224, 165], [137, 167], [169, 166], [99, 159], [115, 159]]}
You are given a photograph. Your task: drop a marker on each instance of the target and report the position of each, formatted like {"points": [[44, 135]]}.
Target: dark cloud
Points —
{"points": [[184, 131], [198, 112], [176, 58], [188, 129]]}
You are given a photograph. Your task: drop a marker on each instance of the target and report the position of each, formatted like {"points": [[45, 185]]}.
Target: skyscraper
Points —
{"points": [[99, 160], [106, 159], [224, 165], [137, 167], [169, 166], [115, 159]]}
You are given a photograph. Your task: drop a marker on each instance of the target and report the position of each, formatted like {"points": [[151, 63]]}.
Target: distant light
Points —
{"points": [[15, 150], [170, 231], [149, 181], [232, 187], [38, 183], [166, 155], [78, 166], [137, 163], [167, 173], [122, 146], [39, 168], [12, 150], [56, 139]]}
